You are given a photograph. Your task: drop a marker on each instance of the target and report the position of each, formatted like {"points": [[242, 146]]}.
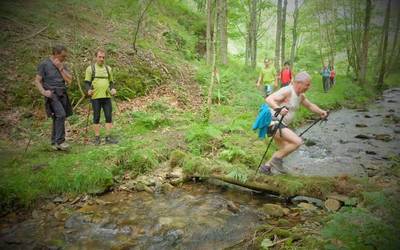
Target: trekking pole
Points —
{"points": [[315, 122], [87, 123], [272, 137]]}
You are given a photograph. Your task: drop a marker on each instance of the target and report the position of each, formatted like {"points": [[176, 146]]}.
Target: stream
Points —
{"points": [[352, 142], [195, 216]]}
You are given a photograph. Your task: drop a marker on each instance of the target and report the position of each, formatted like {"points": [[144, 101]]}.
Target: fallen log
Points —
{"points": [[286, 185]]}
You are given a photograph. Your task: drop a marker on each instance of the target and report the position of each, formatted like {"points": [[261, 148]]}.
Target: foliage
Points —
{"points": [[356, 228]]}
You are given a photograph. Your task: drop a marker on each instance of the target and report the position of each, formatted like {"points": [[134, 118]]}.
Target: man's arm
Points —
{"points": [[66, 75], [314, 108], [260, 79], [39, 86]]}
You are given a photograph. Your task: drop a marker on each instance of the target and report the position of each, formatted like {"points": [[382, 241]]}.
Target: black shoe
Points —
{"points": [[97, 140], [110, 140]]}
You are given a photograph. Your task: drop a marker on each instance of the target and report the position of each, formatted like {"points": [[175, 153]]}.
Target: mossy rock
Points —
{"points": [[176, 158]]}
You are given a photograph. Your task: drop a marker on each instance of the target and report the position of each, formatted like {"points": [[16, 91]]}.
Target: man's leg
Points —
{"points": [[96, 120], [287, 142], [107, 108], [59, 122]]}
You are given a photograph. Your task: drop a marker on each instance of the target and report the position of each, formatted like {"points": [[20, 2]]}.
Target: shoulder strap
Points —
{"points": [[108, 73], [93, 71]]}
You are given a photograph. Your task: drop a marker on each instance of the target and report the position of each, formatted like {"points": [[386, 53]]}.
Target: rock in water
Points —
{"points": [[360, 125], [307, 206], [309, 143], [383, 137], [232, 207], [273, 210], [363, 137], [332, 205]]}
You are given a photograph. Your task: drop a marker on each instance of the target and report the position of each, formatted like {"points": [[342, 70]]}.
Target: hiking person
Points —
{"points": [[268, 77], [51, 80], [286, 75], [325, 73], [289, 97], [99, 82], [332, 76]]}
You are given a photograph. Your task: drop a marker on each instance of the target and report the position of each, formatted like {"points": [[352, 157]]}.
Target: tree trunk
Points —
{"points": [[294, 32], [223, 30], [253, 33], [385, 42], [364, 51], [214, 70], [393, 50], [278, 33], [208, 35], [283, 33]]}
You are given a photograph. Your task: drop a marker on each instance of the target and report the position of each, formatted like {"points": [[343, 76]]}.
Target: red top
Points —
{"points": [[333, 73], [286, 76]]}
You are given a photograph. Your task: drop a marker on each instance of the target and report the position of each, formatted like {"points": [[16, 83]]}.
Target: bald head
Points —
{"points": [[302, 76], [302, 82]]}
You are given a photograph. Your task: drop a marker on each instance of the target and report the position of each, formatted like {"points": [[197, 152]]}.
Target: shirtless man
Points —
{"points": [[291, 96]]}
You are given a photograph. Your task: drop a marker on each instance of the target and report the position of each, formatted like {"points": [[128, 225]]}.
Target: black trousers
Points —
{"points": [[106, 105], [58, 108]]}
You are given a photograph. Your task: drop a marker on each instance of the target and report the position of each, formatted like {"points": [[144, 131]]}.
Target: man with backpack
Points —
{"points": [[99, 83], [325, 73], [51, 80], [287, 100], [286, 75]]}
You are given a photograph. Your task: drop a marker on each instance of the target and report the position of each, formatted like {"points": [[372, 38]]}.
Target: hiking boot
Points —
{"points": [[277, 166], [110, 140], [97, 140], [62, 146], [265, 169]]}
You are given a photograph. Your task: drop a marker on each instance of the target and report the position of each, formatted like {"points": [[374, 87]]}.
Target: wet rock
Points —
{"points": [[367, 116], [396, 130], [58, 200], [35, 214], [332, 205], [75, 221], [88, 209], [307, 206], [273, 210], [391, 110], [171, 222], [311, 200], [383, 137], [146, 180], [341, 141], [370, 152], [363, 137], [339, 197], [231, 206], [166, 187], [361, 125], [392, 101], [174, 235], [309, 143]]}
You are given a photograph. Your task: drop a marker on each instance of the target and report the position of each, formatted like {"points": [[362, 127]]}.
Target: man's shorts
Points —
{"points": [[274, 125]]}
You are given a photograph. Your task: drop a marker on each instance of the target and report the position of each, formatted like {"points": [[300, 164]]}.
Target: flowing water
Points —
{"points": [[351, 142], [195, 216]]}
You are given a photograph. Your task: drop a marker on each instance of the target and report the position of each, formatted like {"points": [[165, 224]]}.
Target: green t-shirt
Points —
{"points": [[269, 74], [100, 84]]}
